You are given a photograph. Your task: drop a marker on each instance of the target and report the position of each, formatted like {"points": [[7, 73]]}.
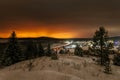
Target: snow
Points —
{"points": [[66, 68]]}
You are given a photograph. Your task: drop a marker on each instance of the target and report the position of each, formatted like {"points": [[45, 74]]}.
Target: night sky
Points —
{"points": [[58, 18]]}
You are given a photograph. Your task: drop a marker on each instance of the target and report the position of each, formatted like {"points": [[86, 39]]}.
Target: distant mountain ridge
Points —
{"points": [[52, 38]]}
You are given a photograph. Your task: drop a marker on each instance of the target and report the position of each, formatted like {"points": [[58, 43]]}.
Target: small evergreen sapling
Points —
{"points": [[78, 51]]}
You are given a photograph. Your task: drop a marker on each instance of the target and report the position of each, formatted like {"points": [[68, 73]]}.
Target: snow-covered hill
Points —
{"points": [[66, 68]]}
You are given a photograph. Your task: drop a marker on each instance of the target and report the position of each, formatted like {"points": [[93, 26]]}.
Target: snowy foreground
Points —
{"points": [[66, 68]]}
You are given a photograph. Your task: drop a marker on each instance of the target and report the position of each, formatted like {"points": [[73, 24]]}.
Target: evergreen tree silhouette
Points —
{"points": [[100, 39], [78, 51], [48, 51], [40, 50], [31, 50], [13, 53]]}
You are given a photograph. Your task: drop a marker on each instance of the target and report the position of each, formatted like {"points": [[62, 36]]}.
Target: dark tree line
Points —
{"points": [[14, 53]]}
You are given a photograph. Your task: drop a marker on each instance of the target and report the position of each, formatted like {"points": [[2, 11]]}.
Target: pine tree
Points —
{"points": [[13, 53], [78, 51], [48, 51], [100, 38], [40, 50], [31, 50]]}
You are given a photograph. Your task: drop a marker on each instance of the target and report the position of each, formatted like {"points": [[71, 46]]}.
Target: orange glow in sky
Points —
{"points": [[40, 34], [34, 29]]}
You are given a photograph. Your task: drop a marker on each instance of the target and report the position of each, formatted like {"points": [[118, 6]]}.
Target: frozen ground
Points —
{"points": [[66, 68]]}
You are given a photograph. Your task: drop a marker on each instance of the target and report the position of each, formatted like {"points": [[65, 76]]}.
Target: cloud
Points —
{"points": [[63, 15]]}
